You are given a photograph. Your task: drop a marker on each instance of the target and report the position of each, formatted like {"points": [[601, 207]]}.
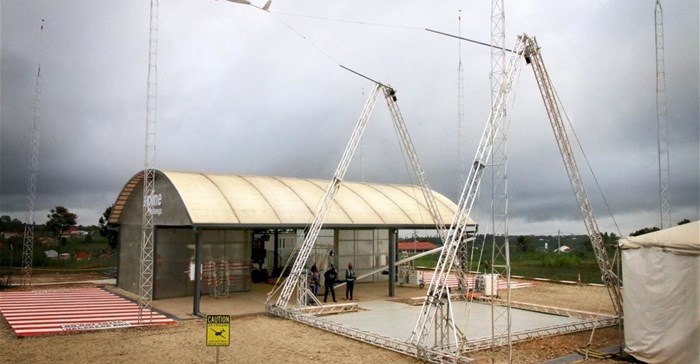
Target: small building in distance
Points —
{"points": [[563, 249], [416, 246]]}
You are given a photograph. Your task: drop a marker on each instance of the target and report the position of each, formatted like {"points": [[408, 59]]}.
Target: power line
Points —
{"points": [[348, 21], [318, 48], [302, 36]]}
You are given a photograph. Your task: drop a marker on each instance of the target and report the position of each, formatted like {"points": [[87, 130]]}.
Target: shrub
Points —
{"points": [[561, 260]]}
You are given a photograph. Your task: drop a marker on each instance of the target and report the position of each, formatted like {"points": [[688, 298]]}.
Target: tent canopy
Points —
{"points": [[681, 239], [661, 295]]}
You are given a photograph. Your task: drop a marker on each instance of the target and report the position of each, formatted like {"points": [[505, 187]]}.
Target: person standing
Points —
{"points": [[329, 277], [315, 278], [350, 282]]}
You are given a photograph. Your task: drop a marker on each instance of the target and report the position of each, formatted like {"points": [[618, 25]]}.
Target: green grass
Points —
{"points": [[567, 267], [97, 247]]}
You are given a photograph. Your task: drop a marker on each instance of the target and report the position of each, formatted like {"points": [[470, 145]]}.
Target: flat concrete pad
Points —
{"points": [[398, 320]]}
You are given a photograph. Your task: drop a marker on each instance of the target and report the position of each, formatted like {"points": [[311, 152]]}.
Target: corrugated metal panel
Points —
{"points": [[256, 200]]}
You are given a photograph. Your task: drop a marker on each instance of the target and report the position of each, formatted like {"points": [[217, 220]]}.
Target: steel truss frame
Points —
{"points": [[612, 281], [662, 119], [437, 309], [397, 345], [436, 294], [449, 354], [323, 310], [436, 312], [147, 229], [500, 315], [302, 253], [593, 320]]}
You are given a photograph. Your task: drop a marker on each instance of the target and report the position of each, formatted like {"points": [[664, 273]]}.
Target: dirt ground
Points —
{"points": [[264, 339]]}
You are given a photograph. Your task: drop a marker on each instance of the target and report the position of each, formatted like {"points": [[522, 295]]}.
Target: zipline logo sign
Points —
{"points": [[218, 330], [153, 203]]}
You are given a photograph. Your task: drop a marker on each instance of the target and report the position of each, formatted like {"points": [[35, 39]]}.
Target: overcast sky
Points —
{"points": [[240, 91]]}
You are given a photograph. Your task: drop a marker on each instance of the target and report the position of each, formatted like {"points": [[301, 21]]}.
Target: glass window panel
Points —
{"points": [[346, 234], [362, 262], [382, 247], [346, 248], [365, 234], [364, 247]]}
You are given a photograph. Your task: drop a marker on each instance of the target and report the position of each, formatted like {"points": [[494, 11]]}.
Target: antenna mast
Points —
{"points": [[500, 254], [28, 242], [146, 269], [662, 120], [461, 134]]}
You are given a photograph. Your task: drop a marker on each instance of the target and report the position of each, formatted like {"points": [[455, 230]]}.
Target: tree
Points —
{"points": [[60, 220], [8, 224], [524, 243], [586, 244], [108, 230], [645, 230], [609, 238], [684, 221]]}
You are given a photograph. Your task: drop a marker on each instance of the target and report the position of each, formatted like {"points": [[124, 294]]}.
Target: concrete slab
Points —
{"points": [[398, 320]]}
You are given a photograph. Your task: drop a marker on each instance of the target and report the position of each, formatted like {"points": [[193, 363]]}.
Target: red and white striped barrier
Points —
{"points": [[453, 281], [42, 312]]}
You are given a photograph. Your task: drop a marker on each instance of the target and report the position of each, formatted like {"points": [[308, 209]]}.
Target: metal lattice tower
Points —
{"points": [[461, 132], [500, 255], [462, 268], [436, 315], [147, 231], [29, 222], [662, 120]]}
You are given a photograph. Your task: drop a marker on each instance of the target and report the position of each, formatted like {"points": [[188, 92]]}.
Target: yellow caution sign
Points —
{"points": [[218, 330]]}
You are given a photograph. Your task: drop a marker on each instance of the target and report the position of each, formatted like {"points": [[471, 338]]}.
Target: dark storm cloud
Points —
{"points": [[240, 92]]}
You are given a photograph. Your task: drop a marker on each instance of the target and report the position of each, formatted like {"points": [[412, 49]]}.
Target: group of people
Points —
{"points": [[330, 279]]}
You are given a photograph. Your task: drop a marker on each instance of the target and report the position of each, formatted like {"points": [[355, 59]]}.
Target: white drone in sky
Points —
{"points": [[246, 2]]}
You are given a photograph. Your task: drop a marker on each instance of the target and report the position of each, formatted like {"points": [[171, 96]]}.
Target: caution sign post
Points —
{"points": [[218, 330]]}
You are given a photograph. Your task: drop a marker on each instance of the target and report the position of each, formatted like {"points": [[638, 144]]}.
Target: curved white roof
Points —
{"points": [[681, 239], [216, 199]]}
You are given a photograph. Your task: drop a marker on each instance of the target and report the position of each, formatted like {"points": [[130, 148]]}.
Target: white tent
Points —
{"points": [[661, 273]]}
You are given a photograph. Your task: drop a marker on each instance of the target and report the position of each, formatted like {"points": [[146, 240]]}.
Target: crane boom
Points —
{"points": [[532, 56]]}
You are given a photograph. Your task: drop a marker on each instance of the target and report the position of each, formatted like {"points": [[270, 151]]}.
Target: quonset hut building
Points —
{"points": [[249, 224]]}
